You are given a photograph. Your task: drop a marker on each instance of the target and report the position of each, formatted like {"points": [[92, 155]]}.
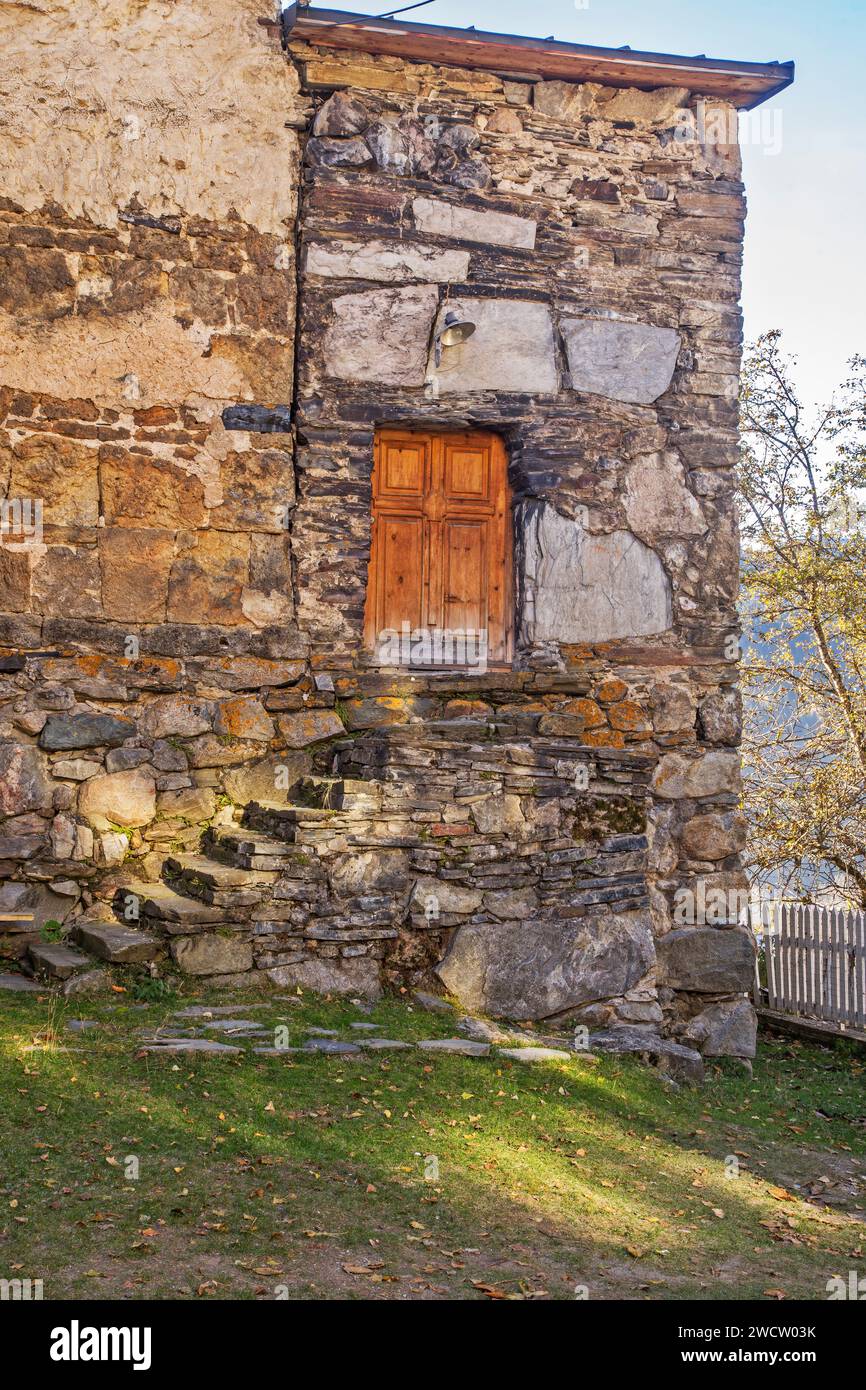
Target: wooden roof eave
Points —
{"points": [[743, 84]]}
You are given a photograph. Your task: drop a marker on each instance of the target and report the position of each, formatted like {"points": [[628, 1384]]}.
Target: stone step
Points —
{"points": [[338, 794], [193, 869], [56, 960], [282, 821], [246, 850], [121, 944], [160, 903]]}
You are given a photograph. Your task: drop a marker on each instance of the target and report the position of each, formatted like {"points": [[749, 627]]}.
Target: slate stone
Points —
{"points": [[384, 1045], [534, 970], [258, 419], [631, 362], [658, 502], [335, 154], [707, 960], [64, 731], [121, 944], [56, 959], [331, 1046]]}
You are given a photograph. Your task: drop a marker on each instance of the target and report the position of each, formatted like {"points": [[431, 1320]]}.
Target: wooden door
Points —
{"points": [[441, 548]]}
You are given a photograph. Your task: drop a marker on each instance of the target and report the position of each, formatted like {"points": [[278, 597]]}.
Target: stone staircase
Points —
{"points": [[249, 881], [358, 879]]}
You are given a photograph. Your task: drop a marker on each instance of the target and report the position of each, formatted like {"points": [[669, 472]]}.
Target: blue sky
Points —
{"points": [[806, 229]]}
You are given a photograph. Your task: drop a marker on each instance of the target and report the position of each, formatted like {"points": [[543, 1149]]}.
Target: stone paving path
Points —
{"points": [[481, 1037]]}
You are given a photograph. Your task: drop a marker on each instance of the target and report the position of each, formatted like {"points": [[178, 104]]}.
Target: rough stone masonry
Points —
{"points": [[224, 260]]}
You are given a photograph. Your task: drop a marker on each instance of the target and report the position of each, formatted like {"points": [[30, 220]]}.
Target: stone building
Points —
{"points": [[369, 553]]}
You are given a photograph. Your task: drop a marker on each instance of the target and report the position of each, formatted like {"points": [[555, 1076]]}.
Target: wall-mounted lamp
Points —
{"points": [[454, 331]]}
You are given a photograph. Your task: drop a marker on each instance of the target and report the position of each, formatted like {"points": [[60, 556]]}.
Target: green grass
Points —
{"points": [[261, 1177]]}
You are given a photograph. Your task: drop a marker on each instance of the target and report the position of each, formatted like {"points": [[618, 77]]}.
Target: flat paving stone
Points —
{"points": [[230, 1025], [322, 1032], [81, 1025], [461, 1047], [330, 1046], [213, 1010], [535, 1054], [384, 1045], [275, 1051], [371, 1027], [172, 1046], [19, 984]]}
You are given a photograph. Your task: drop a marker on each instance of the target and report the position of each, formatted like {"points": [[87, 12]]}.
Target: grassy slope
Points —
{"points": [[258, 1175]]}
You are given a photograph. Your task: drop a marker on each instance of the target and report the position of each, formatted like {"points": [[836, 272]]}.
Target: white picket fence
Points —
{"points": [[815, 962]]}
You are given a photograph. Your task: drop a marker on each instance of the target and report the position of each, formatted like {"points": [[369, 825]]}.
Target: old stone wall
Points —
{"points": [[184, 638]]}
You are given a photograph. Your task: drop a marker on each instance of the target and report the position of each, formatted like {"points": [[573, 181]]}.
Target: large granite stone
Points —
{"points": [[631, 362], [714, 836], [386, 260], [119, 798], [181, 715], [726, 1028], [445, 897], [212, 954], [354, 975], [579, 587], [708, 960], [712, 774], [682, 1064], [721, 717], [533, 970], [511, 349], [381, 335], [472, 224]]}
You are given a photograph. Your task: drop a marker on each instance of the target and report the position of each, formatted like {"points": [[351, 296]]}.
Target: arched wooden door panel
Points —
{"points": [[441, 548]]}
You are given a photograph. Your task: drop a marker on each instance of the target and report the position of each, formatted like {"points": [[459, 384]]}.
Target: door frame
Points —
{"points": [[499, 460]]}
